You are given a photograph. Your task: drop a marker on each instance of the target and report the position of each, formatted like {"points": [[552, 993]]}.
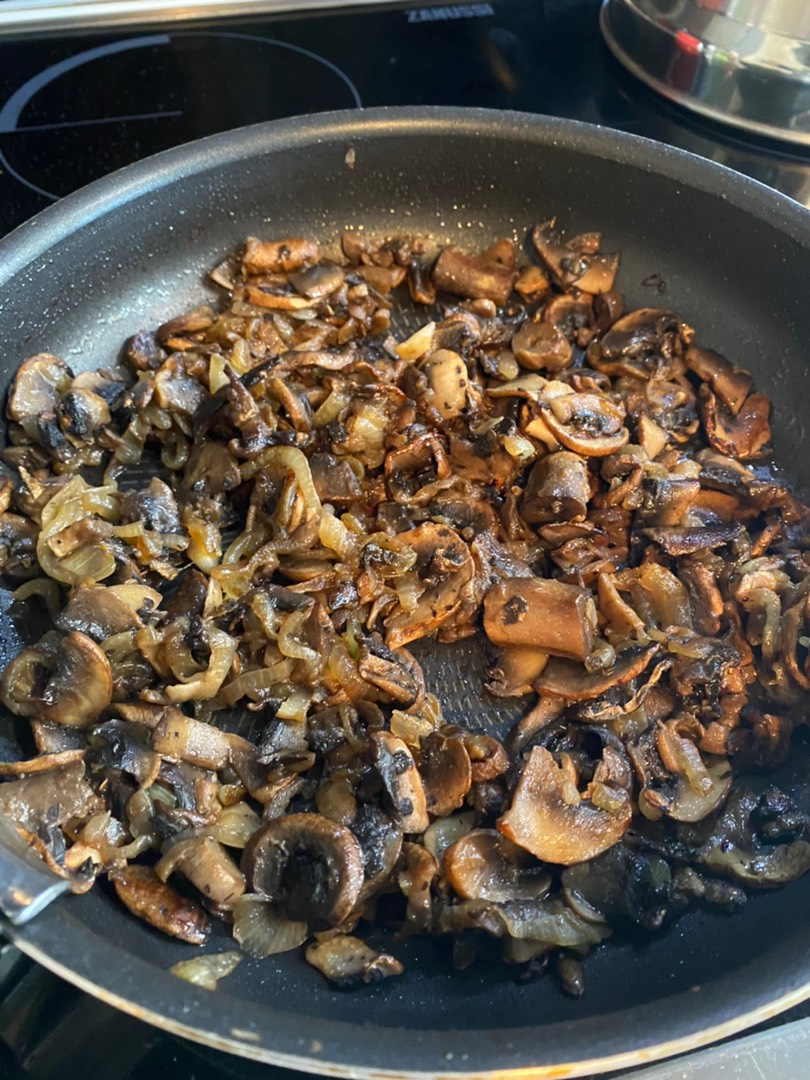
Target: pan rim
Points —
{"points": [[88, 207], [246, 1043], [91, 203]]}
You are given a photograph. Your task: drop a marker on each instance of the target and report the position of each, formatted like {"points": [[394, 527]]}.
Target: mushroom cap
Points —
{"points": [[311, 867]]}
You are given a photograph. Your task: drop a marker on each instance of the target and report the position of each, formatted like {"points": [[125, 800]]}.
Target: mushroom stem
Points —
{"points": [[556, 618]]}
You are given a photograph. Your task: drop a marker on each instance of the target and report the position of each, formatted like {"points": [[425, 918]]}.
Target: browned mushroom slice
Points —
{"points": [[794, 621], [62, 680], [348, 961], [516, 670], [465, 275], [570, 681], [278, 256], [395, 672], [380, 843], [403, 784], [642, 343], [98, 612], [18, 546], [589, 424], [441, 557], [334, 480], [552, 820], [745, 843], [541, 346], [417, 873], [206, 865], [42, 763], [590, 271], [444, 766], [747, 435], [420, 462], [317, 281], [543, 613], [310, 867], [532, 284], [484, 865], [731, 384], [558, 489], [35, 389], [54, 796], [691, 539], [699, 574], [449, 382], [676, 782], [141, 890]]}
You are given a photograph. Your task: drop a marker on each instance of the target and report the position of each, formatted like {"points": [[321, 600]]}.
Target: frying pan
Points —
{"points": [[132, 248]]}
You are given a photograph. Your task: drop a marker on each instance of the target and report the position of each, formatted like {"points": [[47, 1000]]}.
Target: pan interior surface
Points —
{"points": [[132, 250]]}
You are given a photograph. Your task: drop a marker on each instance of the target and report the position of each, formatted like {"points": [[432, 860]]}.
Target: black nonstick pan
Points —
{"points": [[126, 252]]}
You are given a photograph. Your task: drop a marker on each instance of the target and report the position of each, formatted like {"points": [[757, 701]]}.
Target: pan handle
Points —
{"points": [[26, 885]]}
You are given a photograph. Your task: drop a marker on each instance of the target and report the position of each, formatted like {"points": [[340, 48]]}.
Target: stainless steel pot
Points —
{"points": [[745, 62]]}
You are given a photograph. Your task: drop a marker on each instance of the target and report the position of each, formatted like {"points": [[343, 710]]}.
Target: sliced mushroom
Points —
{"points": [[380, 843], [403, 784], [141, 890], [484, 865], [18, 546], [98, 612], [542, 613], [54, 796], [552, 820], [444, 766], [394, 671], [558, 489], [418, 870], [731, 384], [752, 840], [745, 436], [541, 346], [448, 380], [691, 539], [516, 670], [312, 868], [207, 866], [441, 557], [465, 275], [676, 782], [317, 281], [278, 256], [62, 680], [641, 343], [334, 480], [589, 424], [571, 682], [35, 390], [590, 271]]}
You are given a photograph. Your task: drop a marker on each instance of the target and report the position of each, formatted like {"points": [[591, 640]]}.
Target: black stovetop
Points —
{"points": [[76, 106]]}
